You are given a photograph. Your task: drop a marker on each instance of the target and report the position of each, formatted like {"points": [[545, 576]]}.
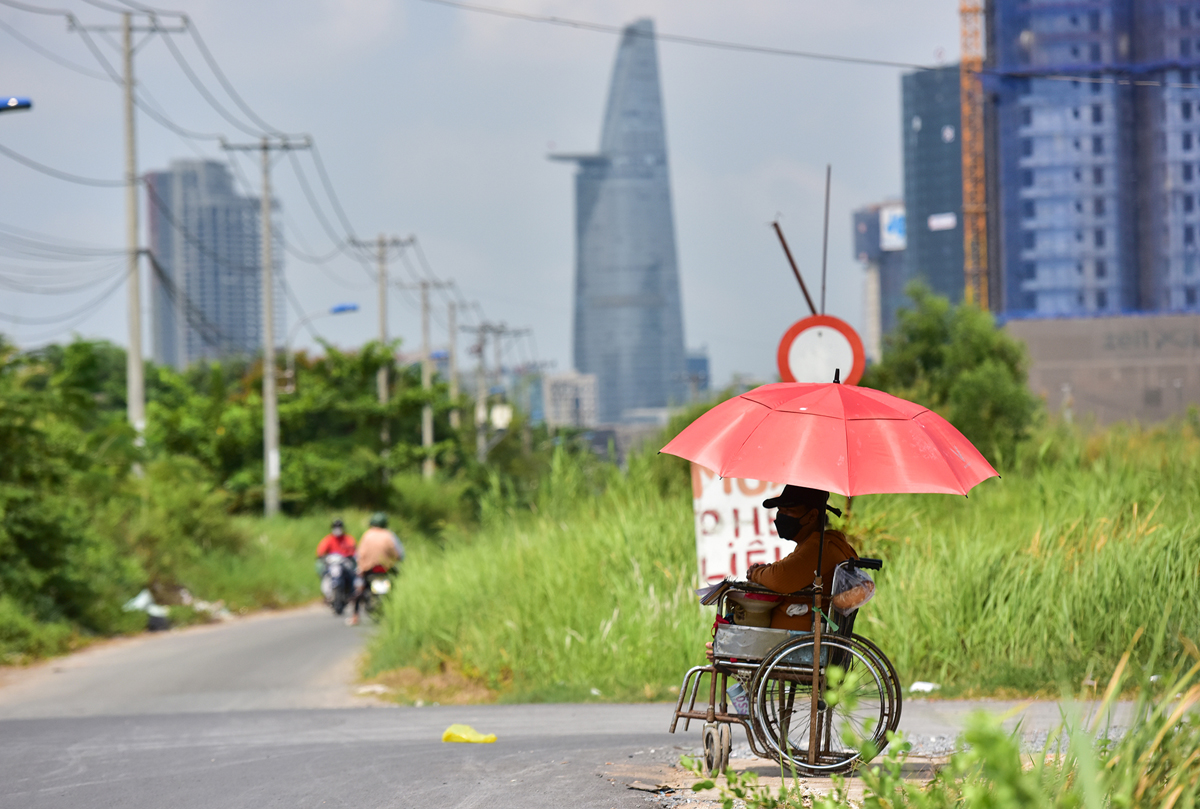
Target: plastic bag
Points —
{"points": [[852, 587], [468, 734]]}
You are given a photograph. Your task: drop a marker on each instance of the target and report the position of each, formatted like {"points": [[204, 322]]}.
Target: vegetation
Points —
{"points": [[1153, 763], [955, 361], [1036, 580], [88, 517]]}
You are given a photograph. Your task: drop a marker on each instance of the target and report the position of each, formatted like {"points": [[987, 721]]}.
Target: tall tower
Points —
{"points": [[205, 237], [628, 315]]}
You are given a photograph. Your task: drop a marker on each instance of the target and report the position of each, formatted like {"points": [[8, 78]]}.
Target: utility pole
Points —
{"points": [[427, 468], [497, 330], [135, 384], [271, 463], [381, 377], [381, 244], [452, 328], [481, 397]]}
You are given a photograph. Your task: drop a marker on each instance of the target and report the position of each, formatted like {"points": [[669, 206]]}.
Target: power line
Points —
{"points": [[7, 280], [86, 308], [52, 12], [337, 206], [49, 54], [61, 175], [209, 332], [189, 237], [216, 70], [199, 85], [677, 38]]}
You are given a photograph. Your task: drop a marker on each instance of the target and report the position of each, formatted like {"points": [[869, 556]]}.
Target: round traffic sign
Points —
{"points": [[814, 347]]}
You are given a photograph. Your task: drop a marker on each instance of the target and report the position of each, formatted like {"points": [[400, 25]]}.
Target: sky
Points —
{"points": [[436, 122]]}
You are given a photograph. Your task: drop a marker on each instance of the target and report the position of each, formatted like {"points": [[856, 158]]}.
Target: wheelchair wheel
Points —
{"points": [[783, 716], [893, 680], [712, 750]]}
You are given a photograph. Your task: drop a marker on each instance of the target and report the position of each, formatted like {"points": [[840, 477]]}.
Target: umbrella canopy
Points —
{"points": [[837, 438]]}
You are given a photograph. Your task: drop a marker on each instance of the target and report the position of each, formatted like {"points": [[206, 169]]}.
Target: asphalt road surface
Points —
{"points": [[262, 712]]}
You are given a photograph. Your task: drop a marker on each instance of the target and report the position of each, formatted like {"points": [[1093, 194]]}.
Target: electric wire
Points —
{"points": [[33, 240], [228, 85], [326, 225], [191, 239], [86, 308], [333, 199], [58, 174], [209, 332], [307, 255], [9, 282], [106, 6], [52, 12], [203, 90], [49, 54], [677, 38]]}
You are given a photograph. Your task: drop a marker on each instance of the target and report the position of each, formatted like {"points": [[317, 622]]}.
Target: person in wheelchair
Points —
{"points": [[799, 519]]}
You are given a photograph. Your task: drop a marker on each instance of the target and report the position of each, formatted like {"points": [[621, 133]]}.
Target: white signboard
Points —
{"points": [[892, 232], [733, 530], [943, 221]]}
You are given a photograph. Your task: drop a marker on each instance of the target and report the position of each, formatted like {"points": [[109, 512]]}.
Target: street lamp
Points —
{"points": [[14, 103], [340, 309]]}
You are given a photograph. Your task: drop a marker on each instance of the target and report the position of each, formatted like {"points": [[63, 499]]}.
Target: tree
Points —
{"points": [[957, 362]]}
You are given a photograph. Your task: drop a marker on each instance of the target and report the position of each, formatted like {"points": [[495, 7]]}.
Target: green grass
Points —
{"points": [[1035, 581], [586, 596], [273, 569]]}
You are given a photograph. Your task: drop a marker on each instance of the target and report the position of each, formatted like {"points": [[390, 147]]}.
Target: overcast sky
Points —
{"points": [[437, 122]]}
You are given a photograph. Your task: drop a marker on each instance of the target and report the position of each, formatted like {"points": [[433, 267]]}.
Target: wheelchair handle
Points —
{"points": [[869, 564]]}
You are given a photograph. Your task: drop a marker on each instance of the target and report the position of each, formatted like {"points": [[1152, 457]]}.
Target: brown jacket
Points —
{"points": [[378, 546], [795, 572]]}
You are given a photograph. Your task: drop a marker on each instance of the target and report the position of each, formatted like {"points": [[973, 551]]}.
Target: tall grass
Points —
{"points": [[273, 568], [1036, 580], [1043, 576], [587, 595]]}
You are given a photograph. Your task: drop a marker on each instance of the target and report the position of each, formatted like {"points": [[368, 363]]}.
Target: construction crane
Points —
{"points": [[974, 164]]}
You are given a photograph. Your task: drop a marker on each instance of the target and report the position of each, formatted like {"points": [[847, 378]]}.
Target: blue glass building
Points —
{"points": [[628, 328], [205, 238], [1097, 154]]}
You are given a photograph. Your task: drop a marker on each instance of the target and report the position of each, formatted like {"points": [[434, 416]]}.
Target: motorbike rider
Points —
{"points": [[379, 551], [336, 541]]}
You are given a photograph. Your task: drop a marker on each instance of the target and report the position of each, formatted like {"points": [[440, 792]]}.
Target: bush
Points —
{"points": [[955, 361]]}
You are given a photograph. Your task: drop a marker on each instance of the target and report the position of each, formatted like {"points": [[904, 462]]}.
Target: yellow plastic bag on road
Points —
{"points": [[466, 733]]}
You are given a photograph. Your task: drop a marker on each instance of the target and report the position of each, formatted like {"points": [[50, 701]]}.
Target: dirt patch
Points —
{"points": [[671, 785], [447, 686]]}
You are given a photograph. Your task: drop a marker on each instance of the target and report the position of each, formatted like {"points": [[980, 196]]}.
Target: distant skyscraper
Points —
{"points": [[205, 238], [933, 180], [879, 243], [628, 316], [1097, 126]]}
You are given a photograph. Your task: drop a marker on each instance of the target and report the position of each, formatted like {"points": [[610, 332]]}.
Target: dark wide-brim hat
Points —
{"points": [[797, 497]]}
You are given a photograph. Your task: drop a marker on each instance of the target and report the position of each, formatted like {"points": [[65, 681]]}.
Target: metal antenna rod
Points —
{"points": [[825, 239], [792, 261]]}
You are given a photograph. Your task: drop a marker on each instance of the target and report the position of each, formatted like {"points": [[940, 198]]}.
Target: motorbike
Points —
{"points": [[337, 581], [377, 584]]}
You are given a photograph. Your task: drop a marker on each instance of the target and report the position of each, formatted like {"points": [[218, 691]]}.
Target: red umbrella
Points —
{"points": [[837, 438]]}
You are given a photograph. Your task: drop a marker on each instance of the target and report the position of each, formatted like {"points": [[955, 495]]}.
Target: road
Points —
{"points": [[262, 712]]}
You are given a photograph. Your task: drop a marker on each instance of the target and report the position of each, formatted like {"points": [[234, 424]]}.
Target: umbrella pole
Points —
{"points": [[816, 662]]}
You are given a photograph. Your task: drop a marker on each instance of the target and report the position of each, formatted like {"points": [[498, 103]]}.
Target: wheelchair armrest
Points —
{"points": [[866, 564]]}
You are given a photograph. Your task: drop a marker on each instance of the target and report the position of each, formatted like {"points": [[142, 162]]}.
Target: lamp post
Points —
{"points": [[13, 103], [340, 309]]}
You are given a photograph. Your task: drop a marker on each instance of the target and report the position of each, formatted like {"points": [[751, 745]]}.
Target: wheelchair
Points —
{"points": [[775, 683]]}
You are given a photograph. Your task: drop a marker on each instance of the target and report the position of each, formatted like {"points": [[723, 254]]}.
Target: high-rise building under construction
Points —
{"points": [[1097, 154], [628, 316], [206, 288]]}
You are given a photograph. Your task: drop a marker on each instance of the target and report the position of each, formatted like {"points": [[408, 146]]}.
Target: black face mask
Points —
{"points": [[786, 526]]}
